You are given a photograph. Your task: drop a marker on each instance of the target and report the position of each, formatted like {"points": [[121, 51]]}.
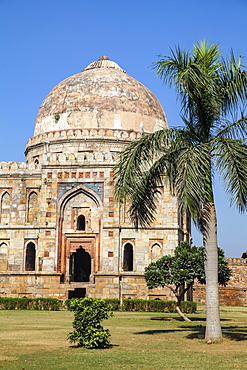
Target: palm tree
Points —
{"points": [[213, 92]]}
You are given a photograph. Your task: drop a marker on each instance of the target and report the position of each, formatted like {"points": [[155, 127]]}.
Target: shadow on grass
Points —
{"points": [[193, 319], [108, 347], [177, 319], [235, 332], [152, 332], [198, 332]]}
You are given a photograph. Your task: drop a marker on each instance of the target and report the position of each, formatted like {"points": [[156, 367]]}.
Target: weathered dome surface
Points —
{"points": [[102, 96]]}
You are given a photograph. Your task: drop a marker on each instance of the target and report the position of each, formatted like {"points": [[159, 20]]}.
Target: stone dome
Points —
{"points": [[103, 96]]}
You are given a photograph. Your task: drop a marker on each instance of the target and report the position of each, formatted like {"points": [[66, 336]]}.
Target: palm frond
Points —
{"points": [[194, 78], [182, 71], [207, 56], [136, 158], [141, 168], [192, 165], [232, 83], [231, 161], [145, 196], [234, 130]]}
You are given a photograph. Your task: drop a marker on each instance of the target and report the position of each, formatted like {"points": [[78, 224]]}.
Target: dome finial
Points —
{"points": [[103, 57], [103, 63]]}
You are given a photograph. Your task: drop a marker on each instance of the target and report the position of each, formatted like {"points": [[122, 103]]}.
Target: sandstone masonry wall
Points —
{"points": [[235, 293]]}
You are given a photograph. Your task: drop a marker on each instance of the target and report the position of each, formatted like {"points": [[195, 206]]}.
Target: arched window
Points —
{"points": [[33, 208], [156, 252], [3, 256], [3, 248], [81, 223], [30, 257], [128, 257], [5, 208]]}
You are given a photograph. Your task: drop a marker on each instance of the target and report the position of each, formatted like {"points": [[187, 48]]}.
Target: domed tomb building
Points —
{"points": [[61, 234]]}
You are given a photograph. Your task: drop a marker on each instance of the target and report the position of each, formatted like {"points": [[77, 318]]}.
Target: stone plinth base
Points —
{"points": [[32, 285], [49, 285]]}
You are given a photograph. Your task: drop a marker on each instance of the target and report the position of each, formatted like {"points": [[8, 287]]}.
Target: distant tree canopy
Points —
{"points": [[178, 272]]}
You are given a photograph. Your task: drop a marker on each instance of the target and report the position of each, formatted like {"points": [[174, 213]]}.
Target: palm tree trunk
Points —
{"points": [[213, 328]]}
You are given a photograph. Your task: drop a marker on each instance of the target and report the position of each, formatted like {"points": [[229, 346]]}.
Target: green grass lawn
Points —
{"points": [[141, 340]]}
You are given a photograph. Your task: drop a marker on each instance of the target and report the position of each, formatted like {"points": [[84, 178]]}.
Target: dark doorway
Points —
{"points": [[30, 257], [128, 257], [80, 265], [77, 293], [81, 223]]}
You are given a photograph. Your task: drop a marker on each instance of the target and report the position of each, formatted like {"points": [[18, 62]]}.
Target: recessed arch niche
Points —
{"points": [[79, 225], [3, 256], [5, 207], [32, 208], [30, 257], [128, 257], [156, 252]]}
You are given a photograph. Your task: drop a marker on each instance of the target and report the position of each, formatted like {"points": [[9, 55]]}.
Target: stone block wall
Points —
{"points": [[127, 285], [235, 293], [32, 285]]}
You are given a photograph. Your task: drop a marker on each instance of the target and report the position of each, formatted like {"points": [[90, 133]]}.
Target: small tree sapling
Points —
{"points": [[178, 272], [89, 312]]}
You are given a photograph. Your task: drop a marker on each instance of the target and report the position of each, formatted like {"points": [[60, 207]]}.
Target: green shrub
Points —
{"points": [[8, 303], [128, 305], [52, 304], [114, 303], [23, 303], [89, 312], [141, 304], [171, 306], [188, 307], [134, 304], [154, 305]]}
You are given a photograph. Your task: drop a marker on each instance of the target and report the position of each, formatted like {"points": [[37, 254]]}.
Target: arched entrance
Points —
{"points": [[79, 226], [80, 266]]}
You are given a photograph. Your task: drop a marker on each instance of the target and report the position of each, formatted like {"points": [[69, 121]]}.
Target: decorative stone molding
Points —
{"points": [[84, 134]]}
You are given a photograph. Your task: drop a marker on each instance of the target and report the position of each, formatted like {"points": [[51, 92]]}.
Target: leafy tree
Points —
{"points": [[212, 91], [178, 272], [89, 312]]}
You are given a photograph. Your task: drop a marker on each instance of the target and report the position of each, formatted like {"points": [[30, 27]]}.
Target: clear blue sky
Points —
{"points": [[45, 41]]}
